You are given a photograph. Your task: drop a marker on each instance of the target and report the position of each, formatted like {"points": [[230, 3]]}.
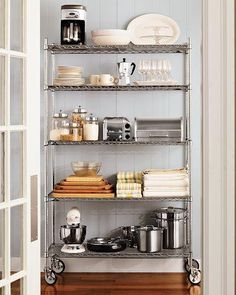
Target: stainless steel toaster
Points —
{"points": [[159, 129], [116, 129]]}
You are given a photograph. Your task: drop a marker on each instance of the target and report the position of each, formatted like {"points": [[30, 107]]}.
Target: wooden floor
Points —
{"points": [[121, 284]]}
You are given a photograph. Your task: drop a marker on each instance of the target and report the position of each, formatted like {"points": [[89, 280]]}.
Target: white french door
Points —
{"points": [[19, 147]]}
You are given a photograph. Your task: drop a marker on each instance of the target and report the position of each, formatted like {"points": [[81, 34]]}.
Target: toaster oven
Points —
{"points": [[159, 129]]}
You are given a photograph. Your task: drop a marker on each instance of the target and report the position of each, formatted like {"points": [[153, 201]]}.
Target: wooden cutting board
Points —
{"points": [[83, 183], [72, 195], [87, 187], [84, 179], [82, 191]]}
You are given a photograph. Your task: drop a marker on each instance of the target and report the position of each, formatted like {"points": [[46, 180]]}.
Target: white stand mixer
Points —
{"points": [[73, 233], [124, 68]]}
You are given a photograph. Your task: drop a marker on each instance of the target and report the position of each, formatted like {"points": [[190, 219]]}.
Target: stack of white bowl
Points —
{"points": [[69, 76], [111, 37]]}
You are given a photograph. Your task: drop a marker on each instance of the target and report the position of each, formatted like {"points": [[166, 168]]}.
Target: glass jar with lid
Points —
{"points": [[78, 115], [90, 128], [72, 132], [58, 121]]}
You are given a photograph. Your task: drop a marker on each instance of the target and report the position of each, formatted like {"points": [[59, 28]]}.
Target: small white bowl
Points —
{"points": [[110, 32], [111, 40]]}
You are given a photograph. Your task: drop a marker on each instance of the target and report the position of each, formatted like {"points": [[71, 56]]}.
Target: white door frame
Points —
{"points": [[29, 271], [218, 147]]}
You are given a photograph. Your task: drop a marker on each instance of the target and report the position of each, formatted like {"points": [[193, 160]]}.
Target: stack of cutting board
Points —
{"points": [[83, 187]]}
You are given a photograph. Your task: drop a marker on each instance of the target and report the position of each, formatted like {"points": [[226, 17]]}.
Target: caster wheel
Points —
{"points": [[58, 266], [50, 277], [195, 264], [195, 276]]}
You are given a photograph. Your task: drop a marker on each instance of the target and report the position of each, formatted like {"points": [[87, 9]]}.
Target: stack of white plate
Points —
{"points": [[111, 37], [69, 76]]}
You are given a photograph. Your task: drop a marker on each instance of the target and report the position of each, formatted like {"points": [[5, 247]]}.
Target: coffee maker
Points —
{"points": [[73, 18], [124, 69]]}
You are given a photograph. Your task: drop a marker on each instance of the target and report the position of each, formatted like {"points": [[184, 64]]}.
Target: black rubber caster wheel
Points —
{"points": [[50, 277], [195, 264], [58, 266], [195, 276]]}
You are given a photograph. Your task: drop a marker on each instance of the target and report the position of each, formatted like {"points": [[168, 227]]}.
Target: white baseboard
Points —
{"points": [[122, 265]]}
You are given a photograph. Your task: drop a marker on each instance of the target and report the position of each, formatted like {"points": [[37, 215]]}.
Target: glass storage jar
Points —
{"points": [[73, 132], [90, 128], [78, 115], [58, 121]]}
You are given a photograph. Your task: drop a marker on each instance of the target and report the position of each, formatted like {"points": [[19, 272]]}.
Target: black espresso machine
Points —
{"points": [[73, 18]]}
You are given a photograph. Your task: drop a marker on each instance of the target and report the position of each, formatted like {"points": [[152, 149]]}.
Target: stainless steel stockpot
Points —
{"points": [[149, 239], [173, 221]]}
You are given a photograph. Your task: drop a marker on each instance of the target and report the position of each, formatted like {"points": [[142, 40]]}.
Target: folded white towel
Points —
{"points": [[129, 196], [166, 183], [165, 171], [166, 189], [129, 175], [128, 186], [165, 177], [165, 194], [132, 191]]}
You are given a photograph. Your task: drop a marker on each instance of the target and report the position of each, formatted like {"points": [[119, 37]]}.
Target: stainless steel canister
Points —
{"points": [[173, 221], [149, 239]]}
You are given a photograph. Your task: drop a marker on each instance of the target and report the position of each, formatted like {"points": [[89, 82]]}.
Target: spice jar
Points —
{"points": [[58, 121], [78, 115], [90, 128]]}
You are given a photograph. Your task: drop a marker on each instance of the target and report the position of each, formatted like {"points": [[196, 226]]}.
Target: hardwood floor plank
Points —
{"points": [[121, 284]]}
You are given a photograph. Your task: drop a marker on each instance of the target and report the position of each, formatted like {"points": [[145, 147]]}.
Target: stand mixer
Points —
{"points": [[73, 233], [124, 68]]}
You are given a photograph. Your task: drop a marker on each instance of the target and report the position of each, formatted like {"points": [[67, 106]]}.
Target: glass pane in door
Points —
{"points": [[2, 87], [2, 291], [2, 239], [17, 287], [16, 165], [17, 239], [16, 18], [2, 23], [2, 167], [16, 91]]}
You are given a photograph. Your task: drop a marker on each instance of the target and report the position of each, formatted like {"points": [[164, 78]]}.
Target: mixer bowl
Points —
{"points": [[73, 234]]}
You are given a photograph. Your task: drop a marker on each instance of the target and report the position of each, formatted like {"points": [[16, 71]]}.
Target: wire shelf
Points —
{"points": [[118, 88], [115, 199], [122, 49], [127, 142], [55, 250]]}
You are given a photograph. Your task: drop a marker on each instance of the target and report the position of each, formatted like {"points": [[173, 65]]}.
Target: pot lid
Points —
{"points": [[60, 115], [171, 213], [80, 110], [73, 6], [91, 118]]}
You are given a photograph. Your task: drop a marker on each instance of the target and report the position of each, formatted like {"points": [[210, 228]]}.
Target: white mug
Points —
{"points": [[94, 79], [106, 79]]}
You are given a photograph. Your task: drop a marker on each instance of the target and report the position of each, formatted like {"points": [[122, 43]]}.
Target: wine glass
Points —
{"points": [[153, 70], [141, 69], [160, 70], [147, 69]]}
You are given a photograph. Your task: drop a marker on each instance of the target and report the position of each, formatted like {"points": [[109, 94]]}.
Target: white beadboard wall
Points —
{"points": [[101, 217]]}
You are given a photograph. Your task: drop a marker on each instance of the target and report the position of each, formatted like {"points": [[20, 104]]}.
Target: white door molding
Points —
{"points": [[218, 147]]}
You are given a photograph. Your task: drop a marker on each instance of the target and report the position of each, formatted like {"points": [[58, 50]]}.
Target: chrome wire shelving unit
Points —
{"points": [[53, 252]]}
